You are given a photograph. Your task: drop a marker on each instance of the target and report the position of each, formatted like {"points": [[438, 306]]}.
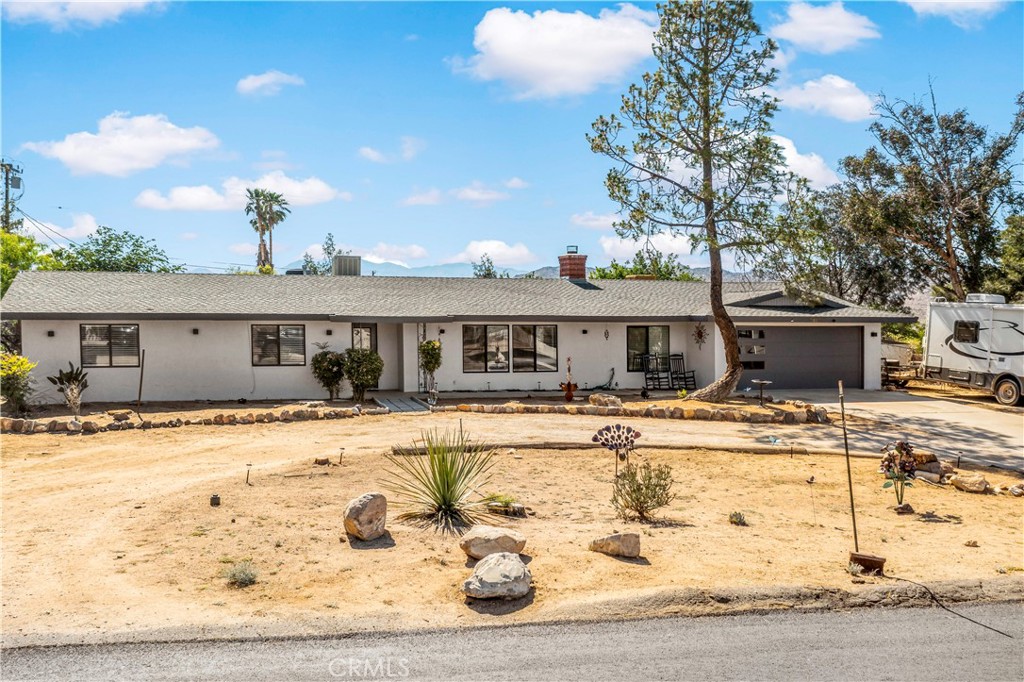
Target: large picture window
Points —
{"points": [[110, 345], [278, 344], [534, 348], [485, 348], [642, 341]]}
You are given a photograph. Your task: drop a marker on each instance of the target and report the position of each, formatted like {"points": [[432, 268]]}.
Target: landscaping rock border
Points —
{"points": [[805, 414]]}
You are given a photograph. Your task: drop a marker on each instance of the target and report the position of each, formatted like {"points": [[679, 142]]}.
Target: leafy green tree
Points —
{"points": [[17, 252], [1008, 280], [485, 269], [936, 188], [647, 263], [322, 266], [692, 147], [816, 250], [108, 250], [363, 368], [328, 369], [15, 381], [267, 209]]}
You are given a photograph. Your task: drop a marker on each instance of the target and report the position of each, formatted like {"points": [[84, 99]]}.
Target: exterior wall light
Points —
{"points": [[51, 333], [195, 331]]}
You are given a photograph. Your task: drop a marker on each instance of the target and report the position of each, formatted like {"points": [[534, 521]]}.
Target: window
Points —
{"points": [[110, 345], [753, 364], [278, 344], [534, 348], [965, 332], [750, 334], [484, 348], [364, 336], [644, 341]]}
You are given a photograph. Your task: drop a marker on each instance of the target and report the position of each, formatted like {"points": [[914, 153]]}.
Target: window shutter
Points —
{"points": [[293, 345]]}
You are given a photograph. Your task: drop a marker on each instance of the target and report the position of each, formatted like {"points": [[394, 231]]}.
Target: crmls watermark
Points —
{"points": [[369, 668]]}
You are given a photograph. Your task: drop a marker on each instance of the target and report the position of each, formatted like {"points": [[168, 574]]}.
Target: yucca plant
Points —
{"points": [[437, 477], [71, 384]]}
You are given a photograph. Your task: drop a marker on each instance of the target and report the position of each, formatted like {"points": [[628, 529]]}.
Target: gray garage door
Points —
{"points": [[802, 357]]}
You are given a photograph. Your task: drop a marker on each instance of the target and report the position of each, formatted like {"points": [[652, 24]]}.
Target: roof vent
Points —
{"points": [[295, 271], [986, 298], [572, 265], [347, 266]]}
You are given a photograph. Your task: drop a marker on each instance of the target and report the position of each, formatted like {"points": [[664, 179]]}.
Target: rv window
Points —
{"points": [[965, 332]]}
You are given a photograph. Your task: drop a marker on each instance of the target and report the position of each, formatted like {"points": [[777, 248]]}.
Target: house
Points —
{"points": [[227, 336]]}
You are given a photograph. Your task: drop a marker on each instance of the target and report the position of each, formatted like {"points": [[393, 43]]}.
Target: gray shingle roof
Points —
{"points": [[94, 295]]}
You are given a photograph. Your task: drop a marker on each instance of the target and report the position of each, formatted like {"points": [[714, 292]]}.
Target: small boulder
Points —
{"points": [[482, 541], [604, 400], [90, 427], [928, 476], [499, 576], [924, 457], [366, 515], [969, 483], [74, 427], [619, 544], [120, 416]]}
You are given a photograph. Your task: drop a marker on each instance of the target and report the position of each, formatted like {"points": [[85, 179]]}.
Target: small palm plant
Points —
{"points": [[438, 485], [71, 384], [899, 466]]}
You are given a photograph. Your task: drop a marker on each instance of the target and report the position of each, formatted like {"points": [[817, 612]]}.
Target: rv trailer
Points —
{"points": [[978, 344]]}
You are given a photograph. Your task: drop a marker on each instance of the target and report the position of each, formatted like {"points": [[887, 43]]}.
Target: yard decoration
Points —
{"points": [[569, 387], [619, 439], [899, 468]]}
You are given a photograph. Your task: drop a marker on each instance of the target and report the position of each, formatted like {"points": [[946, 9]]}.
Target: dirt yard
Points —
{"points": [[114, 533]]}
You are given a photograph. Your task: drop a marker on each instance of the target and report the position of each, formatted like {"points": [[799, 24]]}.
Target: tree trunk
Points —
{"points": [[720, 389], [270, 252]]}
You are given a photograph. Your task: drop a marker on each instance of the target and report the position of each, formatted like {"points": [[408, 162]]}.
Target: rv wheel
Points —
{"points": [[1007, 392]]}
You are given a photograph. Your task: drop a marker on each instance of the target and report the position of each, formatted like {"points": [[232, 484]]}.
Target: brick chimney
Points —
{"points": [[572, 265]]}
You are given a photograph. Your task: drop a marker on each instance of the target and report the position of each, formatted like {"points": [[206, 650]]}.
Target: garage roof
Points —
{"points": [[97, 295]]}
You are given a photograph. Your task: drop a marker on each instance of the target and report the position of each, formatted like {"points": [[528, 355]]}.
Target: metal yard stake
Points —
{"points": [[849, 474]]}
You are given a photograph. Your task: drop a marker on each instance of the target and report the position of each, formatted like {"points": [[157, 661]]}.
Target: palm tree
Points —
{"points": [[267, 210]]}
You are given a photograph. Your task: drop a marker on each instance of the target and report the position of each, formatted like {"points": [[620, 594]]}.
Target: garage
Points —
{"points": [[803, 357]]}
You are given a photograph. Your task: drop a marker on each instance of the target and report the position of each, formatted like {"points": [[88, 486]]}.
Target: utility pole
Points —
{"points": [[12, 179]]}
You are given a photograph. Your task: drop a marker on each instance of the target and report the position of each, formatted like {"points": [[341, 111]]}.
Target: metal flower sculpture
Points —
{"points": [[899, 466], [620, 439], [569, 387]]}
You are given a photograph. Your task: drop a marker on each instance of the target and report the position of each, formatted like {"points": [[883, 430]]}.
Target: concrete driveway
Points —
{"points": [[984, 435]]}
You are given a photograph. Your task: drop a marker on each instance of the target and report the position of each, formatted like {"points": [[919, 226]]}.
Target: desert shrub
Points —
{"points": [[737, 519], [71, 385], [854, 568], [504, 499], [242, 574], [16, 381], [438, 485], [328, 369], [641, 490], [363, 368], [681, 393]]}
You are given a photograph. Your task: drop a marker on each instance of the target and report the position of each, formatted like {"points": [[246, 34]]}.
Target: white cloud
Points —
{"points": [[430, 197], [188, 236], [371, 154], [478, 193], [231, 197], [411, 147], [824, 29], [267, 83], [498, 251], [76, 13], [553, 54], [830, 95], [395, 253], [810, 166], [594, 221], [516, 183], [126, 144], [82, 225], [243, 249], [624, 249], [967, 14], [273, 159]]}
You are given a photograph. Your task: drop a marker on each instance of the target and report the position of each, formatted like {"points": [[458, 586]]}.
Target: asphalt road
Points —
{"points": [[868, 644]]}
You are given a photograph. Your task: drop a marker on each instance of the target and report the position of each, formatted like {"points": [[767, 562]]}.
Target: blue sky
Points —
{"points": [[420, 133]]}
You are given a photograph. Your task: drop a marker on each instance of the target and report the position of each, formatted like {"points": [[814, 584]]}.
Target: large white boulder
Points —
{"points": [[482, 541], [499, 576], [366, 515]]}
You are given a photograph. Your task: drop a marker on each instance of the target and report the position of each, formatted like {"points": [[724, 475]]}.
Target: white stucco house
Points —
{"points": [[224, 337]]}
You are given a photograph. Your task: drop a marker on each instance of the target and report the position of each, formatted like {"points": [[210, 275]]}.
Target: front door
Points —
{"points": [[364, 335]]}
